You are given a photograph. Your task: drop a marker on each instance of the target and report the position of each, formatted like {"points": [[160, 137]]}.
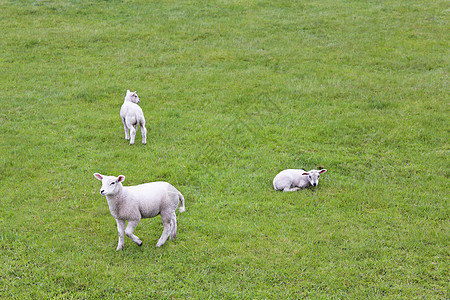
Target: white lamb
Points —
{"points": [[291, 180], [132, 203], [132, 116]]}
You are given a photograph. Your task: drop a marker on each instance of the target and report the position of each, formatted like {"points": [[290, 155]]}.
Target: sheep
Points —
{"points": [[132, 116], [291, 180], [132, 203]]}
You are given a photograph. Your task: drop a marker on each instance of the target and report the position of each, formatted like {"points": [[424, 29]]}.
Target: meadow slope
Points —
{"points": [[233, 92]]}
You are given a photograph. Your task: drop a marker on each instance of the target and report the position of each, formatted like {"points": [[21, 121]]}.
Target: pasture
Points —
{"points": [[233, 92]]}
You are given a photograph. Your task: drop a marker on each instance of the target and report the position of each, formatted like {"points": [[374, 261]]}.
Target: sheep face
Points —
{"points": [[313, 176], [110, 184], [132, 97]]}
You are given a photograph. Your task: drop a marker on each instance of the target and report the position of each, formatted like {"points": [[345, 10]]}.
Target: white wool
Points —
{"points": [[291, 180], [132, 116], [132, 203]]}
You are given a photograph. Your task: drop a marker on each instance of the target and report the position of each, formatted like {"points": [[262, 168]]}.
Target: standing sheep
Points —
{"points": [[132, 203], [132, 116], [291, 180]]}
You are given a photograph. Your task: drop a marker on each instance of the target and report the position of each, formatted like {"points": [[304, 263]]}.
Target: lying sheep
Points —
{"points": [[132, 115], [291, 180], [131, 203]]}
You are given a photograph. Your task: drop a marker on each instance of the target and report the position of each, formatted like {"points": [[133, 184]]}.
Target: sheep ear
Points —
{"points": [[305, 173], [128, 91], [322, 171], [121, 178], [98, 176]]}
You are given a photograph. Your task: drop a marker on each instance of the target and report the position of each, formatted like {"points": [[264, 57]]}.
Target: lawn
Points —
{"points": [[233, 92]]}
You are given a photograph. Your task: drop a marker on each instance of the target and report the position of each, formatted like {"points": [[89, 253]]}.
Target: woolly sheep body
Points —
{"points": [[132, 116], [132, 203], [291, 180]]}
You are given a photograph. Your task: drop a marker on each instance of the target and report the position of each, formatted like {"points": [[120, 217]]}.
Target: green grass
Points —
{"points": [[233, 92]]}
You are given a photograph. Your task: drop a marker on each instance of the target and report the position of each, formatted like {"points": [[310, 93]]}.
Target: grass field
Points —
{"points": [[233, 92]]}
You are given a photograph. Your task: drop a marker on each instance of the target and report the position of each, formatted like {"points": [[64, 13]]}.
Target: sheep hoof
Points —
{"points": [[140, 244]]}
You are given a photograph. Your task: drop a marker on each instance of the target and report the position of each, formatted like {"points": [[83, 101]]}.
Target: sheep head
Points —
{"points": [[110, 184], [313, 176], [132, 97]]}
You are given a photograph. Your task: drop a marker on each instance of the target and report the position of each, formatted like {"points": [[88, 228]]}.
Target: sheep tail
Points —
{"points": [[181, 208]]}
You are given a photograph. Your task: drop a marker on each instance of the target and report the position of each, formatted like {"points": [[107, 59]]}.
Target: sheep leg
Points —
{"points": [[132, 134], [120, 229], [127, 136], [144, 133], [129, 232], [166, 231], [289, 189], [173, 227]]}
